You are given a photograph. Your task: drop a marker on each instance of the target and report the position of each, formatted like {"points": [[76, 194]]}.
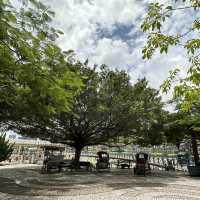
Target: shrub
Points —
{"points": [[6, 149]]}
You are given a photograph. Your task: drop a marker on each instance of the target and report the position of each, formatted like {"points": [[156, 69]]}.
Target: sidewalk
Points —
{"points": [[25, 182]]}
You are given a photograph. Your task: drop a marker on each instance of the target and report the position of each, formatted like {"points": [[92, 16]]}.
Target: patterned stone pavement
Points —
{"points": [[25, 182]]}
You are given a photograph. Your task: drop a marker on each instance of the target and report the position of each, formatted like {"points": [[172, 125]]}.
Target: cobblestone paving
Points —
{"points": [[27, 183]]}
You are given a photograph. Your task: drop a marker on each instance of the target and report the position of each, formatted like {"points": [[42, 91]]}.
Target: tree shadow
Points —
{"points": [[66, 183], [120, 186], [10, 187]]}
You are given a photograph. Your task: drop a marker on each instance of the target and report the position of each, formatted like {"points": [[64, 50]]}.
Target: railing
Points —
{"points": [[161, 163], [165, 163]]}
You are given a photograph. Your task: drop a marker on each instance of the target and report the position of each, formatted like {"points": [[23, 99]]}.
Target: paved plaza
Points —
{"points": [[27, 183]]}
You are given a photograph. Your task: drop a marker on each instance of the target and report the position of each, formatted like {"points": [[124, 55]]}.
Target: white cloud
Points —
{"points": [[81, 21], [114, 53]]}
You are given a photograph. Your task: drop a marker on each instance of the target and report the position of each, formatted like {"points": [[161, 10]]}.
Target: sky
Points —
{"points": [[108, 32]]}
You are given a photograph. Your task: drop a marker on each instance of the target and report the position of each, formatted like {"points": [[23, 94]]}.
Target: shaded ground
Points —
{"points": [[28, 183]]}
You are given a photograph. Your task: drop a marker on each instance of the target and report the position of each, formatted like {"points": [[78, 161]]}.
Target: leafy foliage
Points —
{"points": [[185, 123], [175, 131], [100, 112], [182, 126], [6, 149], [150, 115], [187, 89], [35, 76]]}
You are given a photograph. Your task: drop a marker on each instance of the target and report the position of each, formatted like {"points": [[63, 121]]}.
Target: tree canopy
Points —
{"points": [[108, 106], [182, 126], [187, 89], [35, 76], [149, 113], [175, 133]]}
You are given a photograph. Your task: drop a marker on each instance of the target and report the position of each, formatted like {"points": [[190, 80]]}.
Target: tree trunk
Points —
{"points": [[77, 157], [195, 148], [178, 145]]}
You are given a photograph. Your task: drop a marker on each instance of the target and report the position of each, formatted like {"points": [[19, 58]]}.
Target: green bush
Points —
{"points": [[6, 149]]}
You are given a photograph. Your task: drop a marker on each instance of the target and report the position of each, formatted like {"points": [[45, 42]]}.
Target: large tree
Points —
{"points": [[107, 107], [35, 76], [185, 126], [101, 112]]}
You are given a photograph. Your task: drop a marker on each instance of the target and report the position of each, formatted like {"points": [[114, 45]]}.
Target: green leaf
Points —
{"points": [[42, 35]]}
